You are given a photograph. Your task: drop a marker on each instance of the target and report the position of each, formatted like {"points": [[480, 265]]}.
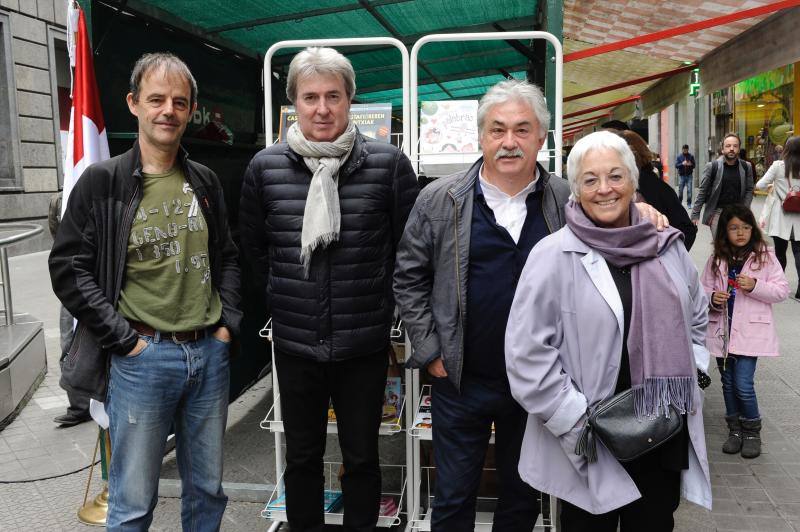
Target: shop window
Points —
{"points": [[10, 172], [764, 110]]}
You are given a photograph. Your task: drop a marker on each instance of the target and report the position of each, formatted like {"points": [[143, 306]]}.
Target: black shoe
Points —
{"points": [[70, 420]]}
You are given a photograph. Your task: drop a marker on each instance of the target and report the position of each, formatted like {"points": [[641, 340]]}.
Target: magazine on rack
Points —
{"points": [[332, 501], [423, 419], [392, 401]]}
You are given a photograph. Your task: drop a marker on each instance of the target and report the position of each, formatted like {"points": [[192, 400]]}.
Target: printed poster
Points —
{"points": [[448, 127], [374, 120]]}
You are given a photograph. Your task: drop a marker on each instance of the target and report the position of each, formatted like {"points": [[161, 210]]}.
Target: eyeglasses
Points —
{"points": [[592, 183], [743, 228]]}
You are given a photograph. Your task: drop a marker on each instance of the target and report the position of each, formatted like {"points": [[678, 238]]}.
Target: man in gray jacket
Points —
{"points": [[726, 180], [458, 263]]}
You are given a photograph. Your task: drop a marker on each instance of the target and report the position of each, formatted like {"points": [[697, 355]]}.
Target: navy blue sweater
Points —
{"points": [[495, 265]]}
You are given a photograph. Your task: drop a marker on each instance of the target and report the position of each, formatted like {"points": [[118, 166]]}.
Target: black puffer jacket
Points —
{"points": [[88, 259], [344, 308]]}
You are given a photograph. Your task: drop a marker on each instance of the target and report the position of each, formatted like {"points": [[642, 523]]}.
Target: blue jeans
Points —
{"points": [[685, 181], [737, 386], [185, 384], [460, 438]]}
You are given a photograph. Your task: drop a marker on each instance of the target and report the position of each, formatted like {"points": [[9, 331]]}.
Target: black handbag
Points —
{"points": [[626, 436]]}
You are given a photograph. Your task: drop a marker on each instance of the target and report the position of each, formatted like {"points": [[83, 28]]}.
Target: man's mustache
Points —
{"points": [[517, 152]]}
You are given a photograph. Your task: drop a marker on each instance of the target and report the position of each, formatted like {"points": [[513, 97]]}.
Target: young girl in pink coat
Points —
{"points": [[743, 279]]}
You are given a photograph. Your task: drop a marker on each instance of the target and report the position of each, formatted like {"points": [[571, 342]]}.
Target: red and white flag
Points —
{"points": [[87, 142]]}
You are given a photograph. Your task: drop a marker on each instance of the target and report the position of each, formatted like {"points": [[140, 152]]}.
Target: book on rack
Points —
{"points": [[423, 419], [388, 507], [392, 399], [332, 501]]}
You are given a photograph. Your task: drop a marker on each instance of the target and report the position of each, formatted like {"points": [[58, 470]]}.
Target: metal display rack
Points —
{"points": [[410, 496]]}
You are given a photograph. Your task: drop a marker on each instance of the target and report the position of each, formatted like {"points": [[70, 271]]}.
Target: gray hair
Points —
{"points": [[170, 63], [514, 89], [597, 141], [320, 60]]}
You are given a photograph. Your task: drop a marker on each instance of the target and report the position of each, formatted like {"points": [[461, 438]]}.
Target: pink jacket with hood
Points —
{"points": [[753, 330]]}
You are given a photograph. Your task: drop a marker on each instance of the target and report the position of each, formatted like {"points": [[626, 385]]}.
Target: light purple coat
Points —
{"points": [[563, 349]]}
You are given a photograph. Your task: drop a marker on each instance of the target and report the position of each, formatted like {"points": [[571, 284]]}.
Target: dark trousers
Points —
{"points": [[462, 424], [78, 404], [356, 387], [781, 246], [661, 495]]}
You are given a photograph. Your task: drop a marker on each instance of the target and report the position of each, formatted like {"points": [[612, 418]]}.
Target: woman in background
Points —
{"points": [[656, 192], [782, 226]]}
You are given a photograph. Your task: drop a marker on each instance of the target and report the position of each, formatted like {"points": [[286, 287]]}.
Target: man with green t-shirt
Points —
{"points": [[145, 262]]}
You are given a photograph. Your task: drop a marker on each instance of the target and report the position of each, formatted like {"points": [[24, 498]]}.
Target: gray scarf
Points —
{"points": [[321, 217], [659, 352]]}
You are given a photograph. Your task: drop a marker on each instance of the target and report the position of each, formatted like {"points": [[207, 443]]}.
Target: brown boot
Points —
{"points": [[734, 443], [751, 436]]}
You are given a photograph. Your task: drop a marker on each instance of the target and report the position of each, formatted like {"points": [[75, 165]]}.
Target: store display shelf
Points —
{"points": [[483, 522], [422, 428], [387, 428], [336, 516]]}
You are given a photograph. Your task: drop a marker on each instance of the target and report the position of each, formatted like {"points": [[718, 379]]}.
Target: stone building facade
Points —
{"points": [[34, 77]]}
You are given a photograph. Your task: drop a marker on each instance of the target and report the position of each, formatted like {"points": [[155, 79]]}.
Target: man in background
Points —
{"points": [[685, 165]]}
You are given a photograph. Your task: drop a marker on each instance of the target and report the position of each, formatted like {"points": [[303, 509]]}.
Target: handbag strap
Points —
{"points": [[586, 445]]}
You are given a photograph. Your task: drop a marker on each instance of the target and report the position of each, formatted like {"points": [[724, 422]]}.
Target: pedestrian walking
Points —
{"points": [[726, 180], [685, 165], [782, 226], [743, 279]]}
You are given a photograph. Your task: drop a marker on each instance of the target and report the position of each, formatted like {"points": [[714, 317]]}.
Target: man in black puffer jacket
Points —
{"points": [[321, 217]]}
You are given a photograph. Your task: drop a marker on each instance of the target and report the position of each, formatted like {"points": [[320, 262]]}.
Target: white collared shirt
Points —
{"points": [[509, 211]]}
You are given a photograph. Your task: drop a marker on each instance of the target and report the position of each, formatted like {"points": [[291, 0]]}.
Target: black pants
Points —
{"points": [[356, 387], [462, 427], [661, 495], [781, 246]]}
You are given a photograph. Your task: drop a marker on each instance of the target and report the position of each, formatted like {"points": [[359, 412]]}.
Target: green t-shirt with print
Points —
{"points": [[168, 272]]}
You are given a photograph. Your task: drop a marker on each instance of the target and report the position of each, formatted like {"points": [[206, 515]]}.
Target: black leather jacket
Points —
{"points": [[344, 309], [87, 262]]}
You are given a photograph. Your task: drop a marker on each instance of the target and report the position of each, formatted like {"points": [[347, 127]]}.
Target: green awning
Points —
{"points": [[455, 70]]}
